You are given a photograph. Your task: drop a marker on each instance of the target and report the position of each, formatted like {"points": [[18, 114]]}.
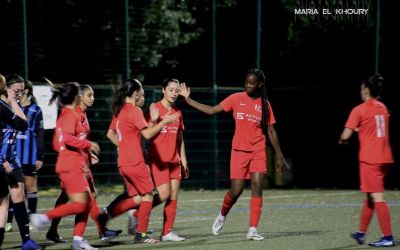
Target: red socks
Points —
{"points": [[383, 214], [255, 210], [169, 215], [122, 206], [228, 204], [68, 209], [144, 216], [366, 215]]}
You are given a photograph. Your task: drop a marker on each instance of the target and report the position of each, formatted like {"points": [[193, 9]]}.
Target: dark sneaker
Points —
{"points": [[359, 237], [386, 241], [143, 238], [109, 234], [31, 245], [55, 237]]}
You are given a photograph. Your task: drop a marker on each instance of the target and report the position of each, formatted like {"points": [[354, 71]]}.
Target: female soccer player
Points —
{"points": [[11, 176], [30, 149], [71, 143], [86, 102], [167, 157], [371, 120], [131, 125], [254, 121]]}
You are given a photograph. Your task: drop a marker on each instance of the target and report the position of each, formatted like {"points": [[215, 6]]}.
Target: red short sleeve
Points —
{"points": [[354, 119], [113, 124], [227, 103]]}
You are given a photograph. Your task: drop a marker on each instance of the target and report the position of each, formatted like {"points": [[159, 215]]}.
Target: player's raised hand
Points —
{"points": [[184, 91]]}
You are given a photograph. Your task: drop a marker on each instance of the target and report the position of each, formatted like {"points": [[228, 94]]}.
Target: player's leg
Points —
{"points": [[52, 233], [256, 202], [170, 213], [30, 180], [4, 198], [383, 214]]}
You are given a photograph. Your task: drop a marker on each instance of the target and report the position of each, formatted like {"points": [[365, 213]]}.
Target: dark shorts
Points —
{"points": [[29, 170], [10, 180]]}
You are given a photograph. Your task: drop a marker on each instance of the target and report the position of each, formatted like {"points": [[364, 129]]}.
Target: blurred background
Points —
{"points": [[314, 66]]}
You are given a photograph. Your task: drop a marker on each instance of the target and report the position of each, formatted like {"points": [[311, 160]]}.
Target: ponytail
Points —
{"points": [[124, 90]]}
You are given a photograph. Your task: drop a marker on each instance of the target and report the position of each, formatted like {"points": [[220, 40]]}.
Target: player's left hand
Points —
{"points": [[185, 171], [281, 165], [38, 165]]}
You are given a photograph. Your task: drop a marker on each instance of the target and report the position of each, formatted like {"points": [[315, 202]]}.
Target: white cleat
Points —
{"points": [[39, 221], [218, 224], [8, 227], [253, 235], [81, 245], [132, 222], [171, 236]]}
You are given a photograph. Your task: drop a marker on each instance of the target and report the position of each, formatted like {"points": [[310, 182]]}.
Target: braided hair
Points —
{"points": [[262, 93]]}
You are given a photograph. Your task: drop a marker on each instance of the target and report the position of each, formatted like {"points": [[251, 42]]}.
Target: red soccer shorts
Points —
{"points": [[73, 182], [164, 172], [137, 179], [243, 163], [372, 177]]}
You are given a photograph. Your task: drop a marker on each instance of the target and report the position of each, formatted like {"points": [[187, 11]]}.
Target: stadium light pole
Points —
{"points": [[26, 72], [377, 35], [127, 41], [258, 34], [214, 87]]}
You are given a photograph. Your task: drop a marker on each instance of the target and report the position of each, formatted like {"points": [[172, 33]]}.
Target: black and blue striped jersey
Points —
{"points": [[9, 124], [30, 143]]}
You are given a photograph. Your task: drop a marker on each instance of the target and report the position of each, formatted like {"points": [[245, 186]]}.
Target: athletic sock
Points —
{"points": [[366, 215], [383, 214], [169, 215], [255, 210], [121, 207], [144, 216], [228, 204], [21, 216], [2, 230], [10, 211], [32, 202]]}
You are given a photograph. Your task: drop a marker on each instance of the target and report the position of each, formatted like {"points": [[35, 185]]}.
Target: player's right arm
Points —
{"points": [[150, 132], [210, 110], [112, 131]]}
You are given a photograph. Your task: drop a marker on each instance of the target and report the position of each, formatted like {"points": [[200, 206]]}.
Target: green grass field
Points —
{"points": [[291, 219]]}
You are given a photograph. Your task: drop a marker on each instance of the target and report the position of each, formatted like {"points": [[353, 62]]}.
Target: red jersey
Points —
{"points": [[164, 146], [371, 118], [85, 123], [130, 122], [113, 124], [70, 141], [247, 114]]}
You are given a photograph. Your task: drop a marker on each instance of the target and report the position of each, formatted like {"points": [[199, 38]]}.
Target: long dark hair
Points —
{"points": [[65, 93], [264, 98], [374, 84], [29, 87], [125, 89]]}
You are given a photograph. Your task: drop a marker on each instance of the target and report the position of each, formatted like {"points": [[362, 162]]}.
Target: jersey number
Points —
{"points": [[380, 126]]}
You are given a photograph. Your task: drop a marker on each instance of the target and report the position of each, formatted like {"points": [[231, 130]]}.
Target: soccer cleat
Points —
{"points": [[386, 241], [359, 237], [31, 245], [109, 234], [8, 227], [171, 236], [39, 221], [143, 238], [81, 245], [218, 224], [55, 237], [253, 235]]}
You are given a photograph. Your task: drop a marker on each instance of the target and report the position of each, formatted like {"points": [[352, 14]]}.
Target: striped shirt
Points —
{"points": [[30, 143], [9, 124]]}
